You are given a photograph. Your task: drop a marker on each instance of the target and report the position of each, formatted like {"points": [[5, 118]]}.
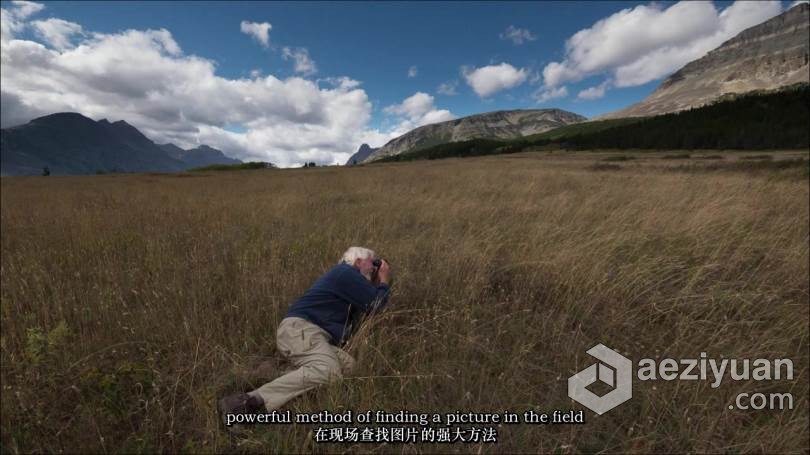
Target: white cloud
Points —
{"points": [[448, 88], [144, 78], [595, 92], [25, 9], [545, 94], [488, 80], [8, 25], [415, 111], [260, 31], [517, 35], [641, 44], [436, 116], [12, 19], [413, 71], [414, 106], [57, 32], [303, 63]]}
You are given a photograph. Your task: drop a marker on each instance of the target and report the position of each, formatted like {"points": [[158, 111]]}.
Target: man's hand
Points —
{"points": [[384, 273]]}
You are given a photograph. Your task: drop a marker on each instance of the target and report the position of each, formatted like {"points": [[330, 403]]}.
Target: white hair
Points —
{"points": [[354, 253]]}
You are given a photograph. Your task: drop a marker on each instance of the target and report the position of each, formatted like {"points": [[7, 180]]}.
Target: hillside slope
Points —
{"points": [[491, 125], [767, 56]]}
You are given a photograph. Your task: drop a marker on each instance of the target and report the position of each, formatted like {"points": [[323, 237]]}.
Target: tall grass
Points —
{"points": [[130, 303]]}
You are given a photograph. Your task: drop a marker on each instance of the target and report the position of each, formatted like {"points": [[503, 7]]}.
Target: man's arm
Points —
{"points": [[362, 294], [383, 278]]}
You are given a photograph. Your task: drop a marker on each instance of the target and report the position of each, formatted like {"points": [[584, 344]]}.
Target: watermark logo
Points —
{"points": [[616, 371], [613, 369]]}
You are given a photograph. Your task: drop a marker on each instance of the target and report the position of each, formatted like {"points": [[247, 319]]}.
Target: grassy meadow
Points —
{"points": [[131, 303]]}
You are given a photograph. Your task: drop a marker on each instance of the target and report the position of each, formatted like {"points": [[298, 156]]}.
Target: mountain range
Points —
{"points": [[758, 120], [198, 157], [70, 143]]}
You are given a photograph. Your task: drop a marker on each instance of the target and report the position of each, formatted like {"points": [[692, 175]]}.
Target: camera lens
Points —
{"points": [[376, 262]]}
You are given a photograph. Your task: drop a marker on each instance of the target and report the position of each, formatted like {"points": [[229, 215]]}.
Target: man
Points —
{"points": [[315, 328]]}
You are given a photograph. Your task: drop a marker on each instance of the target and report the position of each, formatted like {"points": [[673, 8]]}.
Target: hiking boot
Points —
{"points": [[239, 403]]}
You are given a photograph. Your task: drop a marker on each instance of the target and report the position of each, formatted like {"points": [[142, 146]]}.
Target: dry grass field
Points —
{"points": [[130, 303]]}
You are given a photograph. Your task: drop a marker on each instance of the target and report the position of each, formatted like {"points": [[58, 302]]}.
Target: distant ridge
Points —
{"points": [[198, 157], [490, 125], [69, 143]]}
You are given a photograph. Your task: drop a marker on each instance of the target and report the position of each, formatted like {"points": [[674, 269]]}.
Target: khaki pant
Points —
{"points": [[316, 360]]}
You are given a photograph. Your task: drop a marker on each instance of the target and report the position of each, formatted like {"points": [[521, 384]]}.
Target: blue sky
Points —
{"points": [[375, 43], [295, 82]]}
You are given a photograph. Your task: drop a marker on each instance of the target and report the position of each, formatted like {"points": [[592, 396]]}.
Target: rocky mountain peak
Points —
{"points": [[360, 155]]}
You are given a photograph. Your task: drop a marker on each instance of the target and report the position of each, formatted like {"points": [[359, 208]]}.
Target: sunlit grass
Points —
{"points": [[131, 302]]}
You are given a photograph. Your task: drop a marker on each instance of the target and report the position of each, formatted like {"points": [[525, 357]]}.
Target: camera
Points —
{"points": [[376, 263]]}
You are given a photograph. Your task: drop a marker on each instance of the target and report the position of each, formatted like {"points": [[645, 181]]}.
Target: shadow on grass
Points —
{"points": [[604, 167], [754, 165]]}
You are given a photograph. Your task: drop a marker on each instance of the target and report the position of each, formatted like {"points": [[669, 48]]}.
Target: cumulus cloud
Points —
{"points": [[595, 92], [144, 78], [303, 63], [448, 88], [647, 42], [413, 71], [24, 8], [260, 31], [545, 94], [518, 36], [415, 105], [12, 19], [436, 116], [488, 80], [57, 32], [415, 111]]}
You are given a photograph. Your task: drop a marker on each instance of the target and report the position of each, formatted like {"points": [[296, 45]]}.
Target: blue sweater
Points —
{"points": [[338, 301]]}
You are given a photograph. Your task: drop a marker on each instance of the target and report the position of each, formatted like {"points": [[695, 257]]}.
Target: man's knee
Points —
{"points": [[322, 372]]}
